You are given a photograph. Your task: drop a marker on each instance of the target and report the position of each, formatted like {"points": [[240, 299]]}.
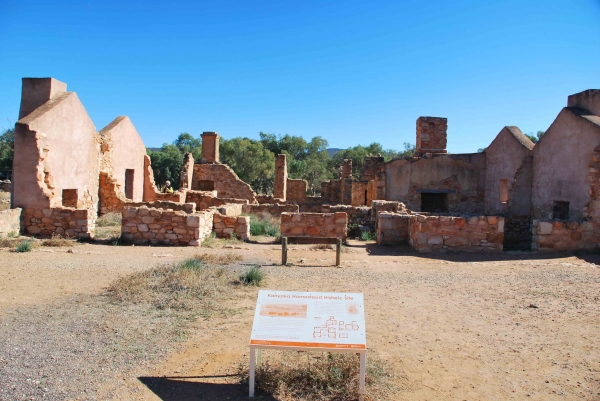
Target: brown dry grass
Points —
{"points": [[107, 232], [15, 242], [109, 220], [218, 259], [298, 376], [58, 241]]}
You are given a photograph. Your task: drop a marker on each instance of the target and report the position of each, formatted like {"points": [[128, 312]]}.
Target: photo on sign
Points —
{"points": [[283, 310]]}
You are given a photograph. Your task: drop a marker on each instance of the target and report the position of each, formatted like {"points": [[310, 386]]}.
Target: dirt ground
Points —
{"points": [[456, 327]]}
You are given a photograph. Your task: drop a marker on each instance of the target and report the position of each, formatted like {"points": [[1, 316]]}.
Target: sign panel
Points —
{"points": [[310, 320]]}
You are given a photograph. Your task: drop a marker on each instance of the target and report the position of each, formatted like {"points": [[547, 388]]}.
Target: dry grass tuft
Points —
{"points": [[322, 246], [183, 286], [109, 220], [219, 259], [58, 240], [328, 377], [15, 242]]}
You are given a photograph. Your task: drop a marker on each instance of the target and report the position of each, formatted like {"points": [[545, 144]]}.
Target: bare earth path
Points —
{"points": [[462, 327]]}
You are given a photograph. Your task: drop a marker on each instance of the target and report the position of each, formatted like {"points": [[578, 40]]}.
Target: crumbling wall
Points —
{"points": [[296, 190], [207, 199], [456, 234], [143, 225], [274, 210], [331, 191], [392, 228], [431, 135], [112, 199], [281, 178], [10, 221], [556, 236], [68, 222], [187, 172], [226, 182], [333, 225], [592, 209], [372, 165], [359, 193], [228, 226], [378, 206], [151, 193], [360, 215], [56, 148]]}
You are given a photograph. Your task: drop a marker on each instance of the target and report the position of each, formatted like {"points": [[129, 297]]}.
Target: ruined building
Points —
{"points": [[515, 195]]}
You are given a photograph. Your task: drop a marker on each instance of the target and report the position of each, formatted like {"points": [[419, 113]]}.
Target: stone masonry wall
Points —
{"points": [[151, 193], [360, 215], [378, 206], [392, 228], [207, 199], [227, 226], [142, 225], [10, 221], [67, 222], [456, 234], [226, 182], [280, 184], [296, 190], [431, 134], [556, 236], [274, 210], [314, 225]]}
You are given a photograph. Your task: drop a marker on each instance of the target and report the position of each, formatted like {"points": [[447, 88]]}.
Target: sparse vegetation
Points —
{"points": [[264, 225], [219, 259], [58, 241], [328, 376], [368, 236], [252, 276], [109, 220], [24, 246]]}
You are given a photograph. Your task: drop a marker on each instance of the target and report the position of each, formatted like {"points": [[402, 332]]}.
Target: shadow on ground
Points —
{"points": [[192, 388]]}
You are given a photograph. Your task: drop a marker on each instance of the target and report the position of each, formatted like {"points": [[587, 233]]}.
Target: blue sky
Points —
{"points": [[352, 72]]}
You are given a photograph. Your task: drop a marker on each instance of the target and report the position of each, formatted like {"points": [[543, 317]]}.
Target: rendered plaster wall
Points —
{"points": [[463, 176], [226, 182], [56, 148], [588, 100], [560, 164], [122, 149], [37, 91], [456, 234], [10, 221], [281, 180], [332, 225], [506, 156], [296, 190]]}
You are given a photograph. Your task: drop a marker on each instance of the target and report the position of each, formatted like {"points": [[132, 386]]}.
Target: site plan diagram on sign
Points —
{"points": [[309, 320]]}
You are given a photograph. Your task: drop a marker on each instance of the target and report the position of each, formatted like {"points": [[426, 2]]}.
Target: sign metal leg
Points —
{"points": [[252, 369], [338, 252], [361, 378], [284, 242]]}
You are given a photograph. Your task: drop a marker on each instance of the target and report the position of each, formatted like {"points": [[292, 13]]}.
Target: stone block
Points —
{"points": [[544, 228]]}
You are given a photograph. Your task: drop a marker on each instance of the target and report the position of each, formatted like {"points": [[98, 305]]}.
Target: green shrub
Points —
{"points": [[192, 264], [367, 236], [253, 276], [260, 225], [24, 247]]}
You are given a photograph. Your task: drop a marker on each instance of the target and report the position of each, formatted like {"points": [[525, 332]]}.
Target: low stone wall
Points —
{"points": [[230, 209], [268, 199], [312, 204], [456, 234], [556, 236], [296, 190], [392, 228], [206, 199], [10, 221], [68, 222], [360, 215], [314, 225], [227, 226], [274, 210], [178, 206], [378, 206], [143, 225]]}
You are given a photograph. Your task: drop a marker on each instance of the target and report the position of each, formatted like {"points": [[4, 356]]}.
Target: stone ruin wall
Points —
{"points": [[556, 236], [296, 190], [379, 206], [143, 225], [274, 210], [359, 215], [151, 193], [392, 228], [281, 178], [10, 222], [228, 226], [207, 199], [456, 234], [67, 222], [431, 135], [332, 225], [226, 182], [359, 193]]}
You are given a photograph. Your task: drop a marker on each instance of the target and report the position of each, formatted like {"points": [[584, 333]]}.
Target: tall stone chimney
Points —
{"points": [[347, 168], [37, 91], [431, 135], [588, 100], [280, 185], [210, 147]]}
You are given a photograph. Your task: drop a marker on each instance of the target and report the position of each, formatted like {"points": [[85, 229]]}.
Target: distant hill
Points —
{"points": [[333, 151], [153, 149]]}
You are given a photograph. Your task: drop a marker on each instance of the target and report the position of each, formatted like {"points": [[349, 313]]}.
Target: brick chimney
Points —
{"points": [[37, 91], [431, 135], [210, 147]]}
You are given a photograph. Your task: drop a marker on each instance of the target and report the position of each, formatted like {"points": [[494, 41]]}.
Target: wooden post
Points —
{"points": [[284, 242], [338, 252]]}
